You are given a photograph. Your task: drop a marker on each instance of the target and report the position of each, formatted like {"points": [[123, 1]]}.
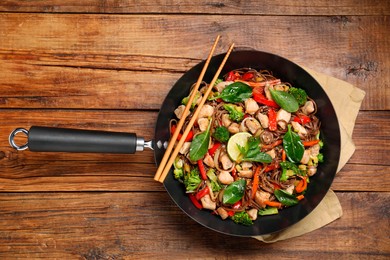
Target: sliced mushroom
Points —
{"points": [[264, 121], [252, 124], [308, 108], [185, 148], [234, 128]]}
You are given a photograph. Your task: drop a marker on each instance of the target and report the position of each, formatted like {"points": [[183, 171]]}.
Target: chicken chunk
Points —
{"points": [[225, 177], [206, 111], [207, 203], [271, 153], [225, 161], [222, 213], [179, 111], [283, 117], [203, 123], [246, 165], [252, 214], [306, 157], [209, 161], [299, 129], [234, 128], [226, 122], [245, 173], [261, 196], [251, 106]]}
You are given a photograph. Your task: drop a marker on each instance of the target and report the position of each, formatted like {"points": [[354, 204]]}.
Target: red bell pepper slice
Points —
{"points": [[247, 76], [189, 136], [259, 97], [302, 119], [272, 123], [195, 201], [202, 170], [232, 76], [200, 194], [214, 148]]}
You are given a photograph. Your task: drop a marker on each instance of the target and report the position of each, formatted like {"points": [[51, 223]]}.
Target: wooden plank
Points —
{"points": [[34, 171], [260, 7], [120, 225], [83, 55]]}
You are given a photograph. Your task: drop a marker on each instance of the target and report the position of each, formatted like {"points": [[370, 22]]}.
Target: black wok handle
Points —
{"points": [[48, 139]]}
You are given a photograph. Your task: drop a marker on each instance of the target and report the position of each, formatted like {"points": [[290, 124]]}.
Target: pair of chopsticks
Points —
{"points": [[166, 164]]}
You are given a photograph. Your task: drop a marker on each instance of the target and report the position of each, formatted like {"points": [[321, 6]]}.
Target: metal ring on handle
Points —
{"points": [[12, 137]]}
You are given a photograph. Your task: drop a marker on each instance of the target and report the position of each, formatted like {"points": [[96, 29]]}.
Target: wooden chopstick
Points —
{"points": [[194, 117], [185, 113]]}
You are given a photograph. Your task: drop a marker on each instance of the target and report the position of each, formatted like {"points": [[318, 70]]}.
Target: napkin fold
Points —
{"points": [[346, 100]]}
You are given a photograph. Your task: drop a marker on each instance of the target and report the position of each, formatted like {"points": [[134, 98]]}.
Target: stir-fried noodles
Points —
{"points": [[252, 149]]}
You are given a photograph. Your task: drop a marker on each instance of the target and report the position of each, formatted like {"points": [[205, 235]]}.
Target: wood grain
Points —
{"points": [[80, 225], [253, 7], [89, 57]]}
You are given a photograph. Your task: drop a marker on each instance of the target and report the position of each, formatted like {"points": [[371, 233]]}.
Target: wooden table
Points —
{"points": [[108, 65]]}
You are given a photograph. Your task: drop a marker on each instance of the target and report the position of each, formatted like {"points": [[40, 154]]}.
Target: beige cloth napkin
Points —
{"points": [[346, 100]]}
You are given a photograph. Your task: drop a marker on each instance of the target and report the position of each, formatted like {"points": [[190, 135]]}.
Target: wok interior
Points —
{"points": [[330, 133]]}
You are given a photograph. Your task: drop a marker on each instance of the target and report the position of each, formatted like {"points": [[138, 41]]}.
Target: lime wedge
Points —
{"points": [[240, 139]]}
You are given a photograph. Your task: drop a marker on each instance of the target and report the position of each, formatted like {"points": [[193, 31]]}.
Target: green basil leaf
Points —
{"points": [[293, 146], [251, 152], [234, 192], [200, 145], [285, 198], [285, 100], [236, 92]]}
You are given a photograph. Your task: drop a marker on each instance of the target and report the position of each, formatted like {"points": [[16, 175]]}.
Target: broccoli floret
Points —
{"points": [[178, 170], [320, 157], [215, 186], [185, 100], [222, 134], [236, 113], [192, 180], [218, 81], [242, 218], [299, 94], [288, 169]]}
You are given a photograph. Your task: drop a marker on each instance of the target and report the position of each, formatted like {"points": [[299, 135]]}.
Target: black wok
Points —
{"points": [[68, 140]]}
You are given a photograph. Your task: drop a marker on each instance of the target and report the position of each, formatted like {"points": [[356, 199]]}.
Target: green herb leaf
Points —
{"points": [[235, 92], [285, 100], [285, 198], [293, 146], [251, 152], [200, 145], [234, 192]]}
